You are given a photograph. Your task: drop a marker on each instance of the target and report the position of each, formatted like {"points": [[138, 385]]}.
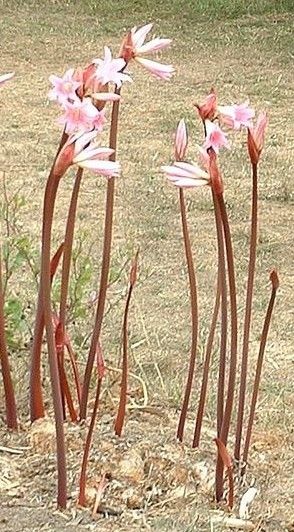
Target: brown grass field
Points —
{"points": [[243, 54]]}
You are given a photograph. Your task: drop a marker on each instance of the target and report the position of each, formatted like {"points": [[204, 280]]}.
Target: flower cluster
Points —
{"points": [[189, 175]]}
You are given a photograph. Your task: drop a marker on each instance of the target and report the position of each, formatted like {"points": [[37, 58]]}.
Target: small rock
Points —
{"points": [[131, 467]]}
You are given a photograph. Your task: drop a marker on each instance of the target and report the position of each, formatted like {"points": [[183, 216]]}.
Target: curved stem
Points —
{"points": [[204, 384], [36, 396], [248, 309], [224, 314], [68, 243], [194, 316], [105, 263], [234, 340], [10, 404], [49, 201], [263, 340]]}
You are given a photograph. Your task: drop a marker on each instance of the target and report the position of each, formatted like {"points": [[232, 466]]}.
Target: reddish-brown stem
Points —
{"points": [[49, 201], [248, 310], [82, 500], [74, 368], [224, 313], [264, 335], [36, 396], [194, 316], [234, 340], [204, 384], [68, 243], [65, 389], [124, 378], [227, 463], [10, 404], [105, 263]]}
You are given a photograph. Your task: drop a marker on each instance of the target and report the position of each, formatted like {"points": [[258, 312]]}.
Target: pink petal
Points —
{"points": [[156, 69], [181, 140], [139, 36], [106, 168], [6, 77], [152, 46]]}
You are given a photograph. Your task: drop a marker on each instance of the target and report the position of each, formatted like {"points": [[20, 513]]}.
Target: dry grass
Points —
{"points": [[247, 57]]}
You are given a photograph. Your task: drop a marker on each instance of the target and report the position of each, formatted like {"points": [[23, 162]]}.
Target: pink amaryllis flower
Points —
{"points": [[186, 175], [181, 141], [215, 137], [133, 47], [6, 77], [255, 140], [236, 116], [207, 109], [80, 149], [64, 88], [110, 70], [78, 115]]}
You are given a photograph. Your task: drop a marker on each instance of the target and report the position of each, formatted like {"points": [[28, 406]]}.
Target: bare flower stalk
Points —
{"points": [[124, 378], [194, 316], [36, 395], [105, 262], [248, 310], [10, 404], [275, 285]]}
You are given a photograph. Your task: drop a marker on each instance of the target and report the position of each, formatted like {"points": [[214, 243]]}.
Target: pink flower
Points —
{"points": [[215, 137], [236, 116], [82, 151], [78, 115], [207, 109], [181, 141], [133, 47], [186, 175], [64, 88], [255, 140], [110, 70], [6, 77]]}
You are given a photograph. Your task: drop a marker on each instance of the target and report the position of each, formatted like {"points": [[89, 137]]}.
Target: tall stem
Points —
{"points": [[10, 404], [224, 314], [204, 384], [248, 310], [234, 340], [105, 263], [36, 396], [264, 334], [221, 295], [68, 243], [194, 316], [49, 201]]}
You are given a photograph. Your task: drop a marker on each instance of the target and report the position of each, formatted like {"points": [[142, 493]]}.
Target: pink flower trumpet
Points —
{"points": [[236, 116], [186, 175]]}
